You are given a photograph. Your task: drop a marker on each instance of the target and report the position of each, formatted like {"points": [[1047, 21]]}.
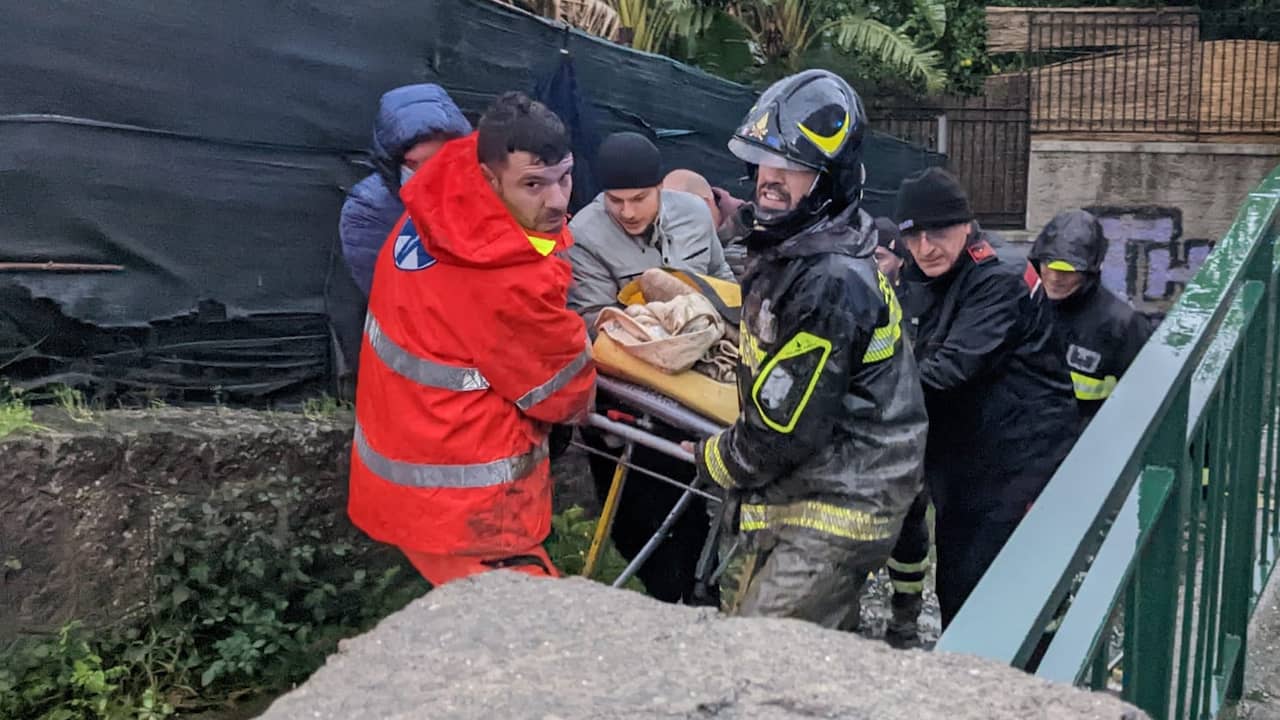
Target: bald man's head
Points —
{"points": [[691, 182]]}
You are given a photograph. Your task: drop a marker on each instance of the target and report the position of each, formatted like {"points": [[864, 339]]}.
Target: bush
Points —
{"points": [[249, 596], [570, 541]]}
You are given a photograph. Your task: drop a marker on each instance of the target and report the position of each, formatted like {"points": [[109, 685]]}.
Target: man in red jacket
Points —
{"points": [[470, 355]]}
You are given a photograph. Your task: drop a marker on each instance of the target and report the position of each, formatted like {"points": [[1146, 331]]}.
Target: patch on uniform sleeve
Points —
{"points": [[410, 255], [786, 383], [1083, 359], [981, 251]]}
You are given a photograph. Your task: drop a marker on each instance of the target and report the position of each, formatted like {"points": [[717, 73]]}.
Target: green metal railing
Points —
{"points": [[1139, 567]]}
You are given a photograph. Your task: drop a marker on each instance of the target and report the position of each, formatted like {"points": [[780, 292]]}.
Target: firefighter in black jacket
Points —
{"points": [[828, 452], [1102, 333], [909, 562], [1002, 414]]}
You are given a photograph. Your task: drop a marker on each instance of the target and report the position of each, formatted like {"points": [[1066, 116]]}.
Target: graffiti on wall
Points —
{"points": [[1148, 261]]}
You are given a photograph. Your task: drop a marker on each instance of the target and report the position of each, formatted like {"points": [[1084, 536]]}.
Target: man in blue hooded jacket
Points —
{"points": [[413, 122]]}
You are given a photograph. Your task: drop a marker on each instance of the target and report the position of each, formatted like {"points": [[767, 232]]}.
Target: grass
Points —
{"points": [[324, 407], [569, 542], [16, 416], [73, 403]]}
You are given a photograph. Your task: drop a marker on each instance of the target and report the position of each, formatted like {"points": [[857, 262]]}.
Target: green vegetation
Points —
{"points": [[324, 407], [761, 40], [15, 412], [16, 415], [883, 47], [249, 597], [570, 539], [72, 402]]}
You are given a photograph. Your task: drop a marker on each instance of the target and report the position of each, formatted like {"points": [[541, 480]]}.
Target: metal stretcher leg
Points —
{"points": [[633, 436], [608, 512], [681, 505]]}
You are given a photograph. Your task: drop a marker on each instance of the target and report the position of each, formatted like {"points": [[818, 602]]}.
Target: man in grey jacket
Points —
{"points": [[635, 225]]}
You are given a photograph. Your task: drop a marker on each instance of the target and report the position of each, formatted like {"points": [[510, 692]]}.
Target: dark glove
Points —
{"points": [[561, 437]]}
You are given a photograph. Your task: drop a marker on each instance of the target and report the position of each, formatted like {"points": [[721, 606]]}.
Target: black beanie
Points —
{"points": [[930, 200], [628, 161]]}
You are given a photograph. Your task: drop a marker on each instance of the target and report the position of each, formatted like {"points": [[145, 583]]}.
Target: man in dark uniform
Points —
{"points": [[826, 456], [1002, 414], [1102, 333], [909, 562]]}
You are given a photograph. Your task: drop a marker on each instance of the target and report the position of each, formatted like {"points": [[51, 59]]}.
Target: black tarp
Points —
{"points": [[207, 147]]}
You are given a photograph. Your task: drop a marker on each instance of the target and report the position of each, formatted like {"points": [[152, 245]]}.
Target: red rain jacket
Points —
{"points": [[469, 355]]}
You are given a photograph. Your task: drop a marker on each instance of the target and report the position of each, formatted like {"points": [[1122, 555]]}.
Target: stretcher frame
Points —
{"points": [[651, 405]]}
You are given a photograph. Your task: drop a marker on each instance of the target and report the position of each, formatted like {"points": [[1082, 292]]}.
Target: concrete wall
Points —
{"points": [[1149, 258], [82, 503], [1163, 205], [1206, 181]]}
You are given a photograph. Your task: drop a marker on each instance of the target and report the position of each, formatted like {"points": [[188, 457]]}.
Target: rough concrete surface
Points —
{"points": [[506, 646], [1066, 174], [1261, 699]]}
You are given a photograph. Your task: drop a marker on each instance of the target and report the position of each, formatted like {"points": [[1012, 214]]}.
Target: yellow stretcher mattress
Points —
{"points": [[715, 400]]}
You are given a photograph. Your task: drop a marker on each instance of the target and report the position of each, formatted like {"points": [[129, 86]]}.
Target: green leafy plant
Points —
{"points": [[72, 403], [254, 584], [15, 413], [569, 542], [653, 25], [250, 593], [66, 678], [256, 594], [786, 36], [324, 407]]}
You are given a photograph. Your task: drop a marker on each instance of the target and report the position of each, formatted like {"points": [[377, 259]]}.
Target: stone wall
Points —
{"points": [[82, 503], [1163, 205], [1207, 182]]}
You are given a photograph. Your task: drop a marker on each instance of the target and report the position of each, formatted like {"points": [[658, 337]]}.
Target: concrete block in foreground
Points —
{"points": [[504, 645]]}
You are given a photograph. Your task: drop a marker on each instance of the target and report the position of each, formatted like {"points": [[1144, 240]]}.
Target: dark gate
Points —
{"points": [[987, 142]]}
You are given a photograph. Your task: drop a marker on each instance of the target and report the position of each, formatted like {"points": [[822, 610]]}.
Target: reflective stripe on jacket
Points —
{"points": [[833, 427], [469, 356]]}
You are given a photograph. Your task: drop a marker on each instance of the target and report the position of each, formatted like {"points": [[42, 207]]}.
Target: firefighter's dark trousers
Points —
{"points": [[669, 574], [798, 573], [910, 559], [967, 543]]}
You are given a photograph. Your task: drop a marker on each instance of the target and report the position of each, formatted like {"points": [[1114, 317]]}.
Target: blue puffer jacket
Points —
{"points": [[406, 116]]}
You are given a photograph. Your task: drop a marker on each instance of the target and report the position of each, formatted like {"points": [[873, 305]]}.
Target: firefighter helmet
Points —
{"points": [[810, 121]]}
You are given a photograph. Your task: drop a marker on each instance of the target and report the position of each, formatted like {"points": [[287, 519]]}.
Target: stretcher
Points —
{"points": [[633, 430], [687, 401]]}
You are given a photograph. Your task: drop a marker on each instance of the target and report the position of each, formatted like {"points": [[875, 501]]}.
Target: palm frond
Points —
{"points": [[594, 16], [793, 20], [870, 37], [935, 13], [653, 22]]}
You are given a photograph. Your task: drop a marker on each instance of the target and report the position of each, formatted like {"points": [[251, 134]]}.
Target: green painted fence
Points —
{"points": [[1140, 565]]}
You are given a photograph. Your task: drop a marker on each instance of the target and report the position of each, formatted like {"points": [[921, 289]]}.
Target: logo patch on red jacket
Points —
{"points": [[409, 253], [981, 250]]}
